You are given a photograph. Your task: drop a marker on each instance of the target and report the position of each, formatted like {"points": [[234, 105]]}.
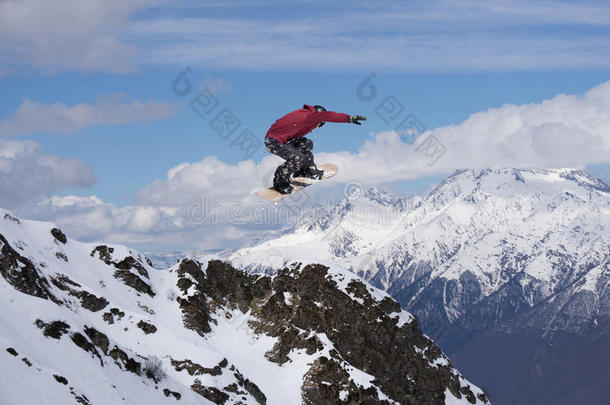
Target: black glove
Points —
{"points": [[355, 119]]}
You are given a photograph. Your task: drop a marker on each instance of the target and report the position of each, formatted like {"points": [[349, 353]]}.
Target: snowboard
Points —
{"points": [[298, 183]]}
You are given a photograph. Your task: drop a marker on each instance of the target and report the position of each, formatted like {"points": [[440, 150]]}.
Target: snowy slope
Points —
{"points": [[83, 322]]}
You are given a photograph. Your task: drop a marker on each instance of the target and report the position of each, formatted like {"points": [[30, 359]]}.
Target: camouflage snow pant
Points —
{"points": [[297, 154]]}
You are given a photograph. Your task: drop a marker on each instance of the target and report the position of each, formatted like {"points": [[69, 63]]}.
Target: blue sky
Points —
{"points": [[89, 87]]}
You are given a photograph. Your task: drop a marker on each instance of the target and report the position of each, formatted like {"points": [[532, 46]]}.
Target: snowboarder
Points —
{"points": [[286, 139]]}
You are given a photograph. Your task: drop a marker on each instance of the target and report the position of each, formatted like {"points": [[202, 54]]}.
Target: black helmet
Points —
{"points": [[319, 108]]}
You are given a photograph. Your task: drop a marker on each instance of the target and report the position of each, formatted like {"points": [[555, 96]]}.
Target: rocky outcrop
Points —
{"points": [[195, 369], [87, 300], [21, 273], [148, 328], [59, 235], [110, 316], [53, 329], [129, 270], [365, 332], [241, 385]]}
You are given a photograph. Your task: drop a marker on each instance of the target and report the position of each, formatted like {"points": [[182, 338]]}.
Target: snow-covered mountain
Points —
{"points": [[510, 250], [97, 324]]}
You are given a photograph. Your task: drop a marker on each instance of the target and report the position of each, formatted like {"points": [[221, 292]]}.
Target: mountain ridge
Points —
{"points": [[96, 323], [503, 253]]}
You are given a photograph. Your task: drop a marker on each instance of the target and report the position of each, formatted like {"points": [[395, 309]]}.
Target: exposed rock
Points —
{"points": [[98, 339], [109, 316], [59, 235], [26, 361], [234, 388], [12, 351], [325, 380], [117, 312], [104, 253], [88, 301], [176, 395], [195, 369], [124, 267], [134, 281], [81, 341], [129, 263], [62, 281], [61, 256], [60, 379], [53, 329], [148, 328], [195, 313], [80, 399], [251, 388], [91, 302], [211, 393], [21, 273], [124, 361]]}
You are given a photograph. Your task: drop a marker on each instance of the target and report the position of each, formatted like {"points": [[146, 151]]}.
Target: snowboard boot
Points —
{"points": [[281, 185], [283, 189], [310, 173]]}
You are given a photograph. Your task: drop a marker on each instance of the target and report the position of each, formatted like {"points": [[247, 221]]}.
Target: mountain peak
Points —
{"points": [[549, 174], [508, 182], [379, 196], [521, 251]]}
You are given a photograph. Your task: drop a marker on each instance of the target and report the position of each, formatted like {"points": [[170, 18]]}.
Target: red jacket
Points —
{"points": [[301, 122]]}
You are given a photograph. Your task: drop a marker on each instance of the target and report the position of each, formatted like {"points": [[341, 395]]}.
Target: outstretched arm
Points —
{"points": [[331, 116]]}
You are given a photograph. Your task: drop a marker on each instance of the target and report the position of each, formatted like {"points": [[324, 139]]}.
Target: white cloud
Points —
{"points": [[103, 35], [91, 219], [402, 36], [210, 178], [565, 131], [32, 117], [211, 204], [68, 34], [26, 172], [204, 205]]}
